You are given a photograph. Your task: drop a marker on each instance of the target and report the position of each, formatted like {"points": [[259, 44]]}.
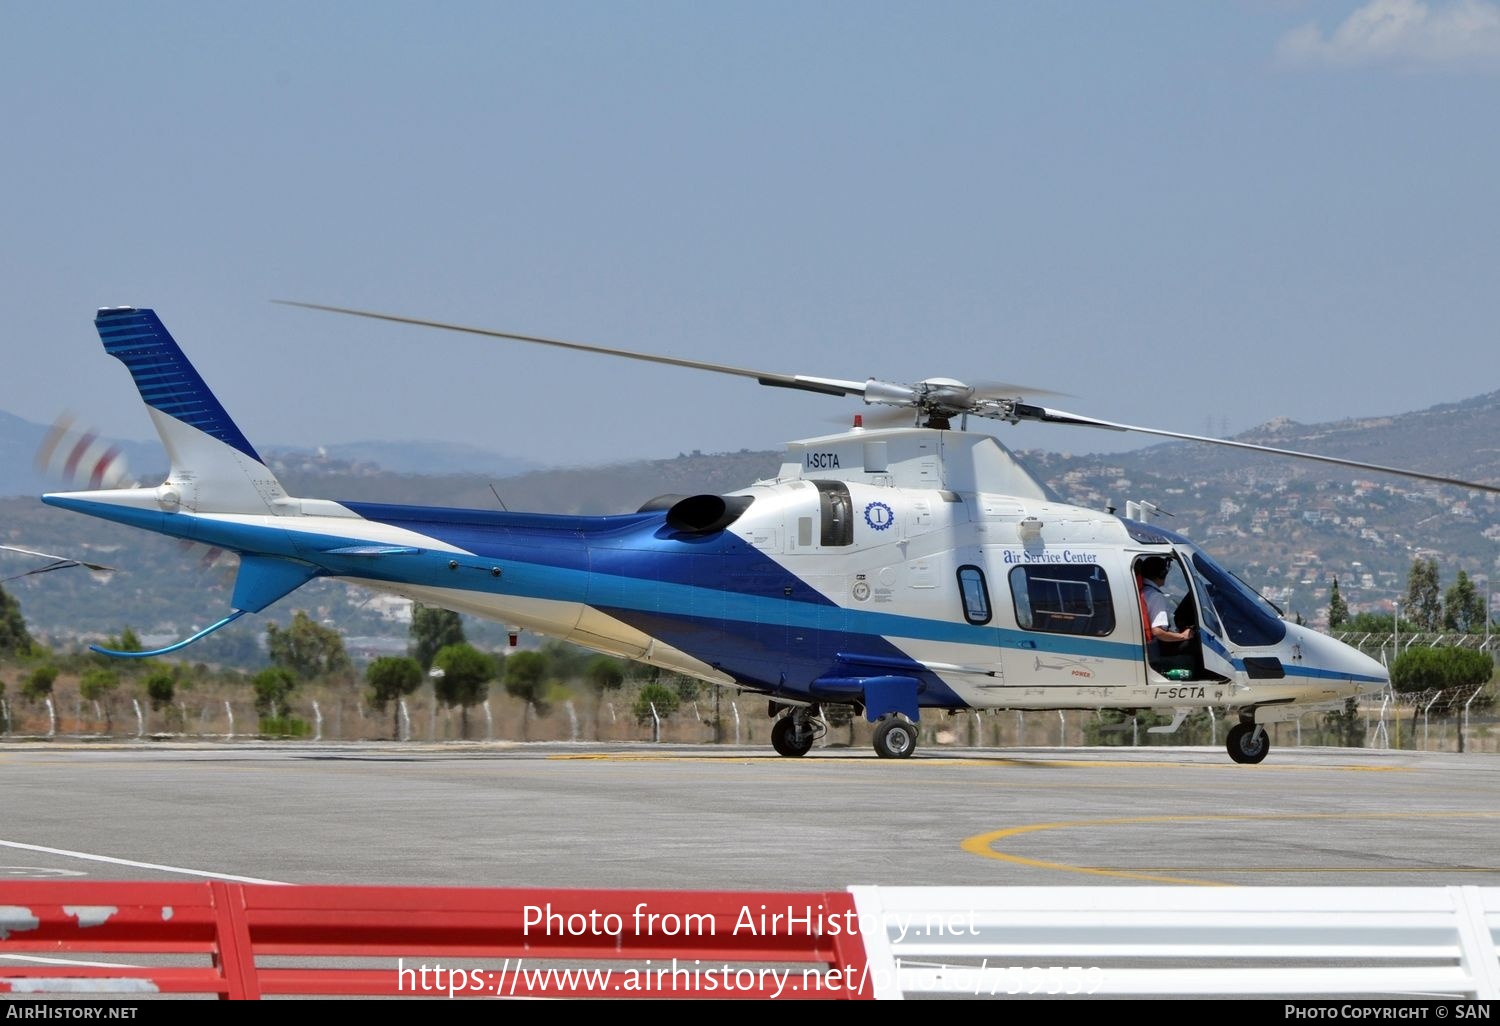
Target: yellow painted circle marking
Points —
{"points": [[983, 845]]}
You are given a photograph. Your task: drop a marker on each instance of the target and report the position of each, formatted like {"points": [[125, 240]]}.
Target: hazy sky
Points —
{"points": [[1195, 216]]}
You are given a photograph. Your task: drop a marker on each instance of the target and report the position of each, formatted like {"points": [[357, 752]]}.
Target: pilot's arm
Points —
{"points": [[1168, 634]]}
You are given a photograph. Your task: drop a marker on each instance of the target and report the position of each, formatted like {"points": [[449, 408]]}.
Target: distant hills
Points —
{"points": [[1288, 526], [1454, 439]]}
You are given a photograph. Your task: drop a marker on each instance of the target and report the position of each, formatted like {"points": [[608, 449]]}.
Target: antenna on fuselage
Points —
{"points": [[1140, 510]]}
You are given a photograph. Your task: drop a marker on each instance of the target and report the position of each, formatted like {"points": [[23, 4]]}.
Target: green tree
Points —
{"points": [[273, 686], [1455, 672], [687, 688], [432, 630], [566, 661], [128, 641], [658, 696], [39, 683], [602, 674], [390, 679], [1338, 609], [14, 638], [465, 678], [1424, 604], [1463, 607], [525, 678], [161, 686], [1371, 623], [306, 648], [98, 684]]}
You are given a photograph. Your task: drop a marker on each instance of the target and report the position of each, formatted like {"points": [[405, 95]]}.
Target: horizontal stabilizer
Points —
{"points": [[264, 579], [261, 581]]}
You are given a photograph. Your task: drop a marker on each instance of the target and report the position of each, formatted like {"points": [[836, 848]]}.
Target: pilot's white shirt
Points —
{"points": [[1156, 607]]}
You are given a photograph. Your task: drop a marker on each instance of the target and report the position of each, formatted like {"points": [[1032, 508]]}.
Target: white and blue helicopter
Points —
{"points": [[894, 570]]}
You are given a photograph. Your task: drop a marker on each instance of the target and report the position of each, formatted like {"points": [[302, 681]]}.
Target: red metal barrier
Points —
{"points": [[229, 940]]}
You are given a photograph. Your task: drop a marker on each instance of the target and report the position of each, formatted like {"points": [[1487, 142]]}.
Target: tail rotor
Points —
{"points": [[81, 457]]}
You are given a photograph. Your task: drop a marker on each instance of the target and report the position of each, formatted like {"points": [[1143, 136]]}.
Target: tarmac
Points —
{"points": [[729, 818]]}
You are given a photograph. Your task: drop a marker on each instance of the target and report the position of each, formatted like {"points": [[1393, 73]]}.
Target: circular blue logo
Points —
{"points": [[879, 516]]}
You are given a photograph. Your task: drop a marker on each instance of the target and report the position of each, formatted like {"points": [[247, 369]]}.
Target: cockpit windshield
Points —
{"points": [[1247, 618]]}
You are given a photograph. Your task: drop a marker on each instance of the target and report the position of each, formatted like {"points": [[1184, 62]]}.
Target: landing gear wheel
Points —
{"points": [[1247, 743], [895, 739], [788, 740]]}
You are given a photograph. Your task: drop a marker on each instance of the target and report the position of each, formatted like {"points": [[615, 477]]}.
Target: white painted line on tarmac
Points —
{"points": [[89, 857]]}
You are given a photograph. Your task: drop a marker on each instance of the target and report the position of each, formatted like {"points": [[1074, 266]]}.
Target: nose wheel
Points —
{"points": [[1247, 743]]}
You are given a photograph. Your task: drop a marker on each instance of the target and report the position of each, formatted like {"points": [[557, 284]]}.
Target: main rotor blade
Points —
{"points": [[1025, 411], [827, 386], [1010, 390]]}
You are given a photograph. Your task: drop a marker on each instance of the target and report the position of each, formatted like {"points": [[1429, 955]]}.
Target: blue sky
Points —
{"points": [[1184, 215]]}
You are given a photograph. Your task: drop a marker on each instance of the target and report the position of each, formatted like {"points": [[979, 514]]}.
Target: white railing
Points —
{"points": [[1295, 942]]}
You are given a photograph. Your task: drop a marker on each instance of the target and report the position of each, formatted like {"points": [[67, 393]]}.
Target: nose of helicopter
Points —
{"points": [[1338, 661], [1369, 676]]}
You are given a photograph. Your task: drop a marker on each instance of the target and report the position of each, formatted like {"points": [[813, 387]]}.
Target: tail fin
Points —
{"points": [[214, 466]]}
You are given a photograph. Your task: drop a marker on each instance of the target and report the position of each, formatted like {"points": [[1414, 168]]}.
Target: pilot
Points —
{"points": [[1153, 571]]}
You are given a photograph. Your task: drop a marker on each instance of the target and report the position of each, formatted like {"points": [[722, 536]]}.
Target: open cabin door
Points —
{"points": [[1205, 656]]}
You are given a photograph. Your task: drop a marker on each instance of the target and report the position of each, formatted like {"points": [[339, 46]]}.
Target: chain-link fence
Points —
{"points": [[1434, 720]]}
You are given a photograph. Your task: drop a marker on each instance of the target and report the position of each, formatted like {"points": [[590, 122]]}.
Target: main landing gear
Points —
{"points": [[1248, 743], [794, 733], [895, 737]]}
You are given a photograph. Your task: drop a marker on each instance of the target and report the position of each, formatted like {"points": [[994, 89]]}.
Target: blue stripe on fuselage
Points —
{"points": [[714, 597], [1292, 670], [636, 547], [638, 563]]}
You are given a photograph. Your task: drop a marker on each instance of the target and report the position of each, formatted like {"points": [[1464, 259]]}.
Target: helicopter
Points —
{"points": [[891, 569]]}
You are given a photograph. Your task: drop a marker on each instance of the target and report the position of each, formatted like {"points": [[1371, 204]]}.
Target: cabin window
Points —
{"points": [[1063, 599], [837, 509], [975, 594]]}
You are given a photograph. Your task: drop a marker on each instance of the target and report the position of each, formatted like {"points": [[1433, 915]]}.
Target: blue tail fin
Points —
{"points": [[167, 381], [214, 466], [215, 470]]}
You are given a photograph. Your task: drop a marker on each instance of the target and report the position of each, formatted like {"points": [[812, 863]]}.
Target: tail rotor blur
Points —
{"points": [[81, 457]]}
